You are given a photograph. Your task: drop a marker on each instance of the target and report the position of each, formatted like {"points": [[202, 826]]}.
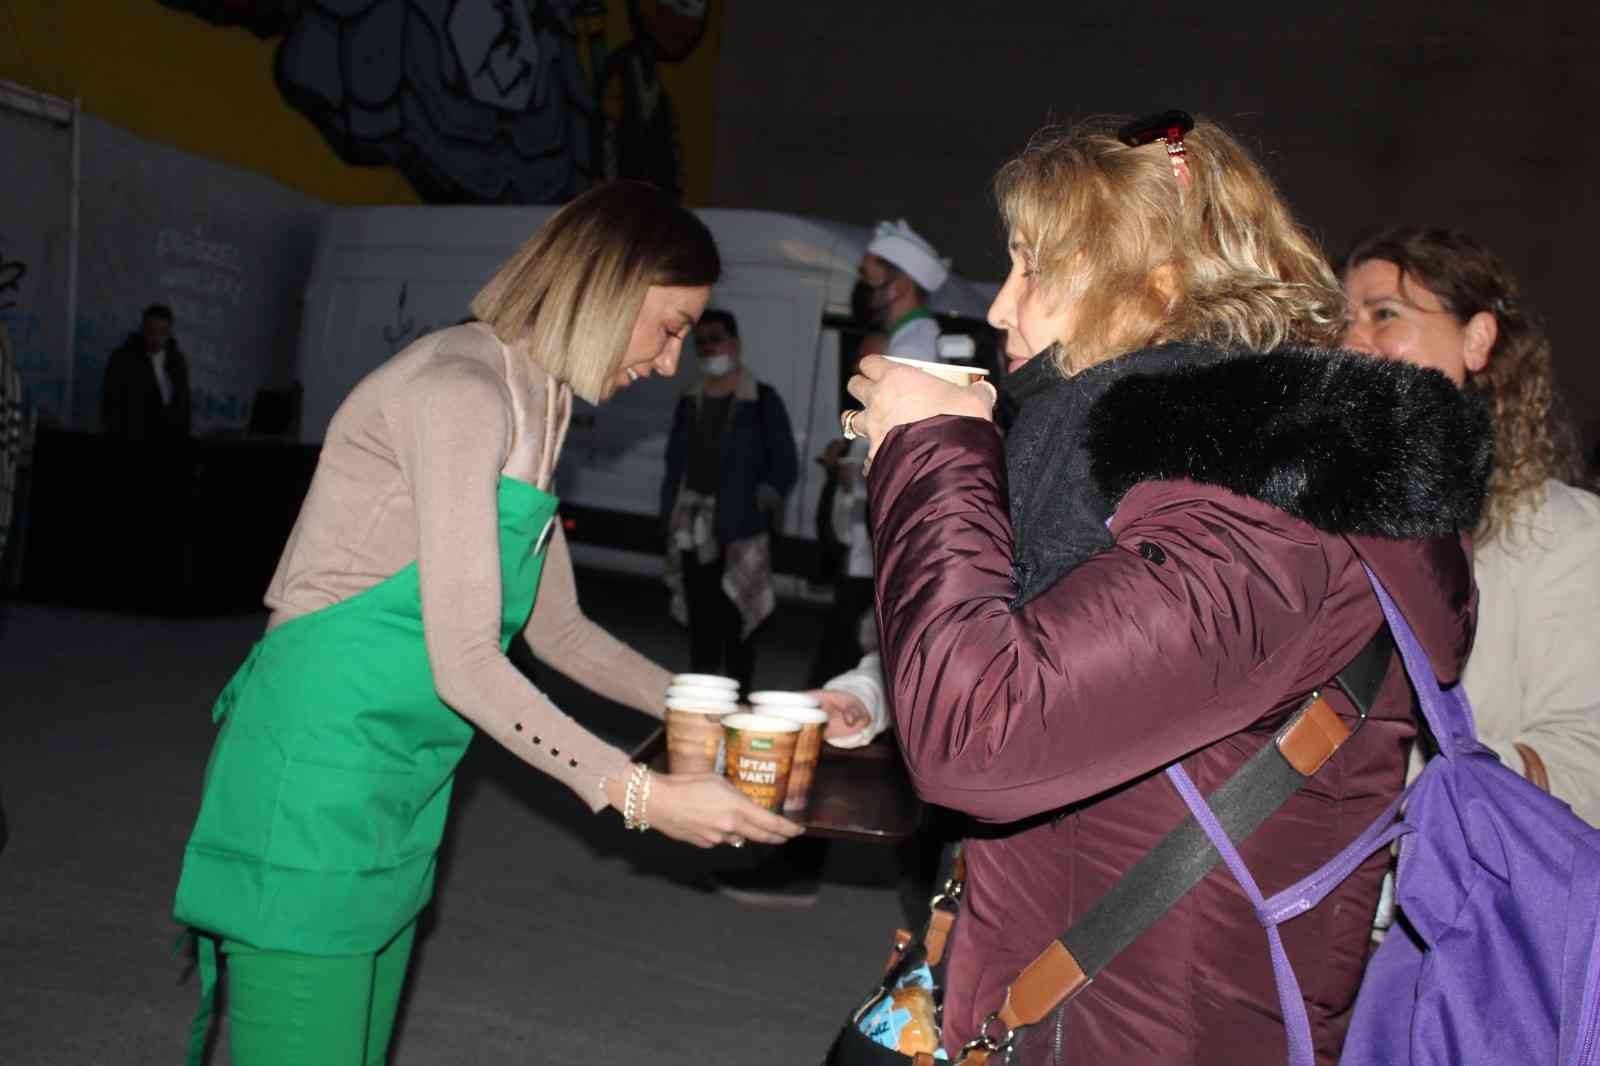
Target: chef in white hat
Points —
{"points": [[898, 273]]}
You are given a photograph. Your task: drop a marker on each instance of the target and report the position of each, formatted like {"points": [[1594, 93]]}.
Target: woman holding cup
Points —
{"points": [[427, 542], [1158, 564]]}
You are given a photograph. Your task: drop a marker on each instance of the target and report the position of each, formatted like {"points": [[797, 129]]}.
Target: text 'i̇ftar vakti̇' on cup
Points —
{"points": [[813, 720], [760, 755], [696, 705]]}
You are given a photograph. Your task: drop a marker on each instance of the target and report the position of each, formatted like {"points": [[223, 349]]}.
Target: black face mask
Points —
{"points": [[861, 309], [867, 305]]}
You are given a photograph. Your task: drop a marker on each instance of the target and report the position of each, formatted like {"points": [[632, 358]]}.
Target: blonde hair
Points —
{"points": [[570, 295], [1144, 261], [1532, 443]]}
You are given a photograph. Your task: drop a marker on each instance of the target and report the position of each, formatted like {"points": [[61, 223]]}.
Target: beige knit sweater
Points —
{"points": [[410, 470]]}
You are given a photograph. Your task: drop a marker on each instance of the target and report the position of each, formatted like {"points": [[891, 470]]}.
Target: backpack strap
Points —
{"points": [[1187, 854]]}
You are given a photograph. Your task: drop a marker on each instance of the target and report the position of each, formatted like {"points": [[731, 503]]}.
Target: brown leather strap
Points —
{"points": [[975, 1057], [1051, 979], [1311, 741], [922, 1058], [938, 935], [902, 937], [1533, 766]]}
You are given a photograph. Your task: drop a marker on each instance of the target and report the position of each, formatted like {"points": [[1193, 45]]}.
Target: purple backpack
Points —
{"points": [[1495, 956]]}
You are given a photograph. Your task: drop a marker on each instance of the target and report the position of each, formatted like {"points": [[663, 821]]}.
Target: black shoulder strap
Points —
{"points": [[1185, 855]]}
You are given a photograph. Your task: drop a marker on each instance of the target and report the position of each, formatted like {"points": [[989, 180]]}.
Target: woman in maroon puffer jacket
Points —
{"points": [[1160, 563]]}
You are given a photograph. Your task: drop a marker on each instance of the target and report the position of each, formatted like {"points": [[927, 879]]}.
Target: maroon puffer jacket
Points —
{"points": [[1193, 638]]}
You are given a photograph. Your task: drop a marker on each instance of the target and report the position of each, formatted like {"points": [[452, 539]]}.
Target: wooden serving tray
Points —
{"points": [[859, 793]]}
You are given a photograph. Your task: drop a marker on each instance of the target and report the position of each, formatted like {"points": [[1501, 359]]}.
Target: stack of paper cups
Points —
{"points": [[806, 712], [696, 705]]}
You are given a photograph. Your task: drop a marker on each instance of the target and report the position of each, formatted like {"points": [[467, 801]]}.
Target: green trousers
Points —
{"points": [[311, 1010]]}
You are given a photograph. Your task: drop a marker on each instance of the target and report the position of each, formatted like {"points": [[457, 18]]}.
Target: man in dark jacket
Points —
{"points": [[730, 462], [146, 391]]}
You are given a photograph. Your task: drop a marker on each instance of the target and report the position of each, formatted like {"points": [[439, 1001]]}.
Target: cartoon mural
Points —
{"points": [[485, 101]]}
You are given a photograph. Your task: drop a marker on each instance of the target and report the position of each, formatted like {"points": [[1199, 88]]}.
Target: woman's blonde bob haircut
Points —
{"points": [[1143, 261], [569, 297]]}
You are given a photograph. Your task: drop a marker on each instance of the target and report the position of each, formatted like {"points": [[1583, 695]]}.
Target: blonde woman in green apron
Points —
{"points": [[428, 540]]}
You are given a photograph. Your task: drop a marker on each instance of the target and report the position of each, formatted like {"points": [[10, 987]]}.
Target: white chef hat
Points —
{"points": [[898, 243]]}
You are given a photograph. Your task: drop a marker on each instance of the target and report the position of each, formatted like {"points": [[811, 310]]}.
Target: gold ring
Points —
{"points": [[847, 422]]}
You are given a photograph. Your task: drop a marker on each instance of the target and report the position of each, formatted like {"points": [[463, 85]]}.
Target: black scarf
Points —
{"points": [[1346, 442], [1058, 511]]}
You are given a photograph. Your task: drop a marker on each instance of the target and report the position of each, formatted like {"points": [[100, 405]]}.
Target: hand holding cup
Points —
{"points": [[706, 810], [896, 394], [847, 715]]}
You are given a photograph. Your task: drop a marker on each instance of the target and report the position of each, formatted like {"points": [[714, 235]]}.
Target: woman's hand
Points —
{"points": [[847, 715], [705, 810], [893, 394]]}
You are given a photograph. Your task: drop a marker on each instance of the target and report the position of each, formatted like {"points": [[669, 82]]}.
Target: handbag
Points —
{"points": [[1149, 889], [853, 1047]]}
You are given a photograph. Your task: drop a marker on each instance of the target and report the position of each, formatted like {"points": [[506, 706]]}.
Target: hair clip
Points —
{"points": [[1168, 127]]}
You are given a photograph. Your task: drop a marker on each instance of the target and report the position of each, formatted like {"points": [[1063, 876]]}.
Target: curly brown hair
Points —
{"points": [[1532, 443]]}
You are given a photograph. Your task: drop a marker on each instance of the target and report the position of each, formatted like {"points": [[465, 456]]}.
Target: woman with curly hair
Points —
{"points": [[1440, 299], [1159, 564]]}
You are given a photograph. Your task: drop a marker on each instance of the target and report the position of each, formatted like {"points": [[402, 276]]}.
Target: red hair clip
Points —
{"points": [[1168, 127]]}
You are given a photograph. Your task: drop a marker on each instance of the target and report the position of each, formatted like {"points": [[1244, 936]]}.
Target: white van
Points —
{"points": [[386, 275]]}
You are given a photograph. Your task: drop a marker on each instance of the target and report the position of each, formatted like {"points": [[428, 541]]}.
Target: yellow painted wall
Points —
{"points": [[175, 78]]}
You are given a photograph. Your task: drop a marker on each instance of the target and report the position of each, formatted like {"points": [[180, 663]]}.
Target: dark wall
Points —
{"points": [[1475, 116]]}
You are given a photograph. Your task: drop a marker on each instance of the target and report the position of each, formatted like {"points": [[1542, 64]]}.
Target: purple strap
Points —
{"points": [[1289, 998], [1315, 886], [1448, 713], [1450, 718]]}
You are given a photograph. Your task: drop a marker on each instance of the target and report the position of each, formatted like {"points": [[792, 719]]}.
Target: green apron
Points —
{"points": [[327, 790]]}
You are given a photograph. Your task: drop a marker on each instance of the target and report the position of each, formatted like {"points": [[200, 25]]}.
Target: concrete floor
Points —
{"points": [[556, 936]]}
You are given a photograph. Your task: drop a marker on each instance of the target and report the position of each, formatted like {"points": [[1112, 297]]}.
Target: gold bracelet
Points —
{"points": [[633, 802], [644, 801]]}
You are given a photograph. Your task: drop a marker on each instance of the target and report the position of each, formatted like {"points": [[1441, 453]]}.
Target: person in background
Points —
{"points": [[145, 396], [898, 273], [1158, 563], [1440, 299], [428, 541], [851, 628], [730, 462]]}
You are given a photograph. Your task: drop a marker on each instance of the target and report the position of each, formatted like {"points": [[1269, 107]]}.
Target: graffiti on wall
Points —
{"points": [[484, 101], [32, 353]]}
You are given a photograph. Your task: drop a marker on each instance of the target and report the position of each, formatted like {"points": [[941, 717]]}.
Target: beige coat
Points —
{"points": [[1534, 673]]}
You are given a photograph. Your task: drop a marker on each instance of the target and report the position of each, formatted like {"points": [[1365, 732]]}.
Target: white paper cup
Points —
{"points": [[760, 756], [701, 705], [807, 750], [702, 692], [772, 698], [954, 373], [696, 741], [706, 681]]}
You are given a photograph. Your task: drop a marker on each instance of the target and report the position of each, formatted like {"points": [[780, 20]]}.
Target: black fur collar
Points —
{"points": [[1347, 442]]}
